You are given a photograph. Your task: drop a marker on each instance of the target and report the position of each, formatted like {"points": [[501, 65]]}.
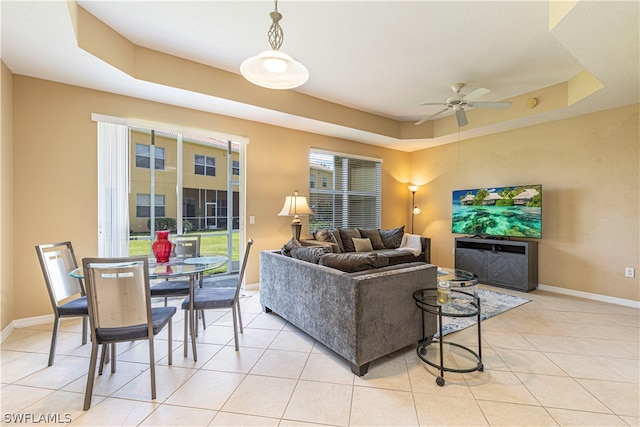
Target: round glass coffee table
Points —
{"points": [[461, 300]]}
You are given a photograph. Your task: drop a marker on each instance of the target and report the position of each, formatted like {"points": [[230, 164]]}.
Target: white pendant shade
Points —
{"points": [[273, 69]]}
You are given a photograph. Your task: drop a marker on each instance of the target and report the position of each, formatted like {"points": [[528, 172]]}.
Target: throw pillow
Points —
{"points": [[374, 235], [338, 239], [286, 248], [323, 235], [347, 234], [350, 263], [308, 253], [392, 238], [362, 245]]}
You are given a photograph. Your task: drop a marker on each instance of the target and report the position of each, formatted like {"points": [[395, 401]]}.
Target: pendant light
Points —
{"points": [[274, 69]]}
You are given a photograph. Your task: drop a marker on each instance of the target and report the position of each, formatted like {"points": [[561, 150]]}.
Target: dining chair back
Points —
{"points": [[186, 246], [119, 303], [218, 297], [67, 294]]}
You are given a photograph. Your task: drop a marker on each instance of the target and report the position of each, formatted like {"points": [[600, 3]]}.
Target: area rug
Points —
{"points": [[491, 304]]}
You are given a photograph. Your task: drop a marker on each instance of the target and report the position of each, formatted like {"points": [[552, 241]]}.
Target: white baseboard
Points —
{"points": [[23, 323], [588, 295]]}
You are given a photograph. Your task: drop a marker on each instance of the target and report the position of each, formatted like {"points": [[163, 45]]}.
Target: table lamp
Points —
{"points": [[293, 206]]}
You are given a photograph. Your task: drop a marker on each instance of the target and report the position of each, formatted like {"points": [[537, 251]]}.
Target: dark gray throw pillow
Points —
{"points": [[347, 234], [374, 235], [286, 248], [392, 238], [309, 253], [338, 239], [350, 263]]}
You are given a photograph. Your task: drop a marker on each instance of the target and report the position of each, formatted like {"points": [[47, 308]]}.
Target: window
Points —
{"points": [[236, 168], [143, 156], [143, 206], [205, 165], [351, 191]]}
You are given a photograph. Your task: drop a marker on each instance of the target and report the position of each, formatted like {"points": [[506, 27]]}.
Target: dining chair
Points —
{"points": [[219, 297], [67, 294], [119, 303], [186, 246]]}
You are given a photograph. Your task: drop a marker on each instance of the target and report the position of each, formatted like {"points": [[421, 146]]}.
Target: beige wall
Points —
{"points": [[588, 167], [55, 180], [6, 196], [589, 170]]}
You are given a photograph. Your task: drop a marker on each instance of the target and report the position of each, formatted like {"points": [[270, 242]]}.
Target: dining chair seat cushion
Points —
{"points": [[207, 298], [77, 307], [160, 316], [170, 287]]}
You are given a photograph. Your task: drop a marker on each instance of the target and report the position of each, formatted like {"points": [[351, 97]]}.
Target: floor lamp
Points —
{"points": [[416, 210], [294, 206]]}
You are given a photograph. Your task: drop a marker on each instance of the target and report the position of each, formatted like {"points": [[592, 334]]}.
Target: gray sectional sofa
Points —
{"points": [[361, 315]]}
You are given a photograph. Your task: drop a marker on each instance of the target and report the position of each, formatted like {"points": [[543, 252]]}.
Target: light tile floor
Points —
{"points": [[557, 360]]}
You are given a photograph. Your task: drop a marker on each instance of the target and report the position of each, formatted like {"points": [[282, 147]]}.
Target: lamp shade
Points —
{"points": [[274, 70], [414, 188], [295, 205]]}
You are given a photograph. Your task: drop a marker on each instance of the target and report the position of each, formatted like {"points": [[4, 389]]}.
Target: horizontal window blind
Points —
{"points": [[344, 191]]}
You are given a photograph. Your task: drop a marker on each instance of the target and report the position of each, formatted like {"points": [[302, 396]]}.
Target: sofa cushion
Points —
{"points": [[350, 262], [286, 248], [347, 235], [374, 235], [362, 245], [392, 238], [395, 257], [309, 253]]}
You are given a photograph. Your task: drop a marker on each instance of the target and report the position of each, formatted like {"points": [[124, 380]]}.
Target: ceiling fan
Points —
{"points": [[458, 102]]}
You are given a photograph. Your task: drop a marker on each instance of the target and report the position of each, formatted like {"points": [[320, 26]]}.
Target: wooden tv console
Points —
{"points": [[506, 263]]}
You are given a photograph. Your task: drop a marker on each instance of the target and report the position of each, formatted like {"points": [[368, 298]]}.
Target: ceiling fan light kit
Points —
{"points": [[458, 102], [273, 69]]}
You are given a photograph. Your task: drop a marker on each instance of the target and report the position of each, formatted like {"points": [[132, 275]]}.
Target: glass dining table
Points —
{"points": [[177, 267]]}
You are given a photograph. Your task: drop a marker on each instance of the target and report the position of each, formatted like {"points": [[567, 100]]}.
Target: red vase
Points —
{"points": [[161, 247]]}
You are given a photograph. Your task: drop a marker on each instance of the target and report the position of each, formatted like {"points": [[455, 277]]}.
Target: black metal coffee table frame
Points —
{"points": [[426, 300]]}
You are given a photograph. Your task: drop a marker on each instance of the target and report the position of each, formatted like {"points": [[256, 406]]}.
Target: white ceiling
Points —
{"points": [[382, 57]]}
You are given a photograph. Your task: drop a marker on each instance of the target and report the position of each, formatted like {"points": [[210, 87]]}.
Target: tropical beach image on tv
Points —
{"points": [[498, 212]]}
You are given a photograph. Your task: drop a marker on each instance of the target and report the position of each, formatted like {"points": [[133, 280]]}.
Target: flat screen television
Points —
{"points": [[498, 212]]}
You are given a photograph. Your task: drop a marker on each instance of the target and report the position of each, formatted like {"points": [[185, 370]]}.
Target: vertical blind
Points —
{"points": [[344, 191], [113, 190]]}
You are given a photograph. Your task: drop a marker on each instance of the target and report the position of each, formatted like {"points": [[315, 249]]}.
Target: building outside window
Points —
{"points": [[143, 205], [143, 156], [205, 165]]}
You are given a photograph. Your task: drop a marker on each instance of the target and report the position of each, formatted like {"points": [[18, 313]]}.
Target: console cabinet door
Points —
{"points": [[508, 270], [473, 260]]}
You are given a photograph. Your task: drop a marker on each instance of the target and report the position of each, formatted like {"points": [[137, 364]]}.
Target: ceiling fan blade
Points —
{"points": [[430, 117], [434, 103], [489, 104], [461, 117], [475, 94]]}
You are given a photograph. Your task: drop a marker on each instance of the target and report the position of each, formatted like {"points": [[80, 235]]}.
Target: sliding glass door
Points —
{"points": [[188, 184]]}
